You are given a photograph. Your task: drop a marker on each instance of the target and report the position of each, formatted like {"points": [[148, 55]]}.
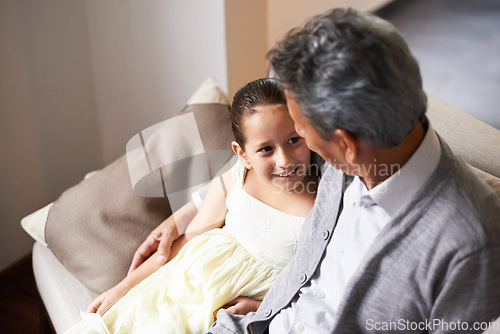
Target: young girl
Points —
{"points": [[251, 219]]}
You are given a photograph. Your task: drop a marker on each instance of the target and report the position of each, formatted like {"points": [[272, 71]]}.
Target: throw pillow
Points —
{"points": [[95, 227]]}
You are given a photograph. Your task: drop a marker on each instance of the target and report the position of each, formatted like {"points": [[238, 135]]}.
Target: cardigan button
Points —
{"points": [[303, 278], [268, 313], [325, 234]]}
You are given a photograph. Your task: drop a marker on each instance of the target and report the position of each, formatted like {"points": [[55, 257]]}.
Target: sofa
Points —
{"points": [[85, 240]]}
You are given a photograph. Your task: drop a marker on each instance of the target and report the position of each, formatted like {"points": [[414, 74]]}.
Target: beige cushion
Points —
{"points": [[95, 227], [469, 138], [185, 146]]}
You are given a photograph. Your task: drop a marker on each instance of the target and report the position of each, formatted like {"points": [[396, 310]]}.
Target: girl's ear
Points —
{"points": [[348, 144], [241, 154]]}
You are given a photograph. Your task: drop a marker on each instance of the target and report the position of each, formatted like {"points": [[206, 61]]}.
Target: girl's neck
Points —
{"points": [[297, 202]]}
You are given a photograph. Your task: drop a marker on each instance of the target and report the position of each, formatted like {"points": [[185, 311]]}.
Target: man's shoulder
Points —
{"points": [[472, 194], [463, 205]]}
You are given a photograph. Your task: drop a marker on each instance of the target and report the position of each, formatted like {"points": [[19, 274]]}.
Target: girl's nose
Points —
{"points": [[283, 159]]}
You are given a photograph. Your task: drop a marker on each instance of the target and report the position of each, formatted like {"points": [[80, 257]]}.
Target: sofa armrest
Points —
{"points": [[473, 140], [63, 295]]}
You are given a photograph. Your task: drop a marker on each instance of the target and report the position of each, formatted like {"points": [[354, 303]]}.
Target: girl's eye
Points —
{"points": [[293, 140], [265, 149]]}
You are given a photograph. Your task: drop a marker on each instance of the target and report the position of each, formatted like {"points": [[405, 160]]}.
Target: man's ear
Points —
{"points": [[348, 144], [241, 154]]}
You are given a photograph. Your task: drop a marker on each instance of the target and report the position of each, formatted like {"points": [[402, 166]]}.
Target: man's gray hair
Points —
{"points": [[354, 72]]}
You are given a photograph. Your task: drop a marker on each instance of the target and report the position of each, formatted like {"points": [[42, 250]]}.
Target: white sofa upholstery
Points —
{"points": [[63, 295]]}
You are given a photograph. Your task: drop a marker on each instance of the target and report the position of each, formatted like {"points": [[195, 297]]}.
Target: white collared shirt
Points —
{"points": [[365, 213]]}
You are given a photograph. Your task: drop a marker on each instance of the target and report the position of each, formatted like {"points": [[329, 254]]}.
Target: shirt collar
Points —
{"points": [[397, 191]]}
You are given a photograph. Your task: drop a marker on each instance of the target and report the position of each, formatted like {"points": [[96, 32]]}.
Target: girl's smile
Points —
{"points": [[287, 174]]}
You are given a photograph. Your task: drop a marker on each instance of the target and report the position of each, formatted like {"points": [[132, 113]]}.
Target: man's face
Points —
{"points": [[333, 151], [313, 138]]}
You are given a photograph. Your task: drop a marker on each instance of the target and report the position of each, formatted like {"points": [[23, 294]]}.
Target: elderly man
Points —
{"points": [[403, 237]]}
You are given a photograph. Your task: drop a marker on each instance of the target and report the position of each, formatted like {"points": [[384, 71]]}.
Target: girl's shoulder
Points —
{"points": [[234, 176]]}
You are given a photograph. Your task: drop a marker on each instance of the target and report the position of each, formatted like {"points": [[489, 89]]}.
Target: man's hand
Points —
{"points": [[240, 305], [163, 236], [160, 239], [107, 299]]}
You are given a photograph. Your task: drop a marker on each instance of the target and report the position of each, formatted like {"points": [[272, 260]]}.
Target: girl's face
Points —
{"points": [[273, 149]]}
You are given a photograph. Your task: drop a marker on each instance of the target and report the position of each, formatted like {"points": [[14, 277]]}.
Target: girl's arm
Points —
{"points": [[211, 215], [213, 209]]}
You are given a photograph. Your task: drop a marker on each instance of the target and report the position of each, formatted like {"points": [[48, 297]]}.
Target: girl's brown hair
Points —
{"points": [[261, 92]]}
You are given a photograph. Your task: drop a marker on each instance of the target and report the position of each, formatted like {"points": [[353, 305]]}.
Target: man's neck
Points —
{"points": [[377, 165]]}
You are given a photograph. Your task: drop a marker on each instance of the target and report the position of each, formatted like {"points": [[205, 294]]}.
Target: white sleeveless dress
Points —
{"points": [[241, 259]]}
